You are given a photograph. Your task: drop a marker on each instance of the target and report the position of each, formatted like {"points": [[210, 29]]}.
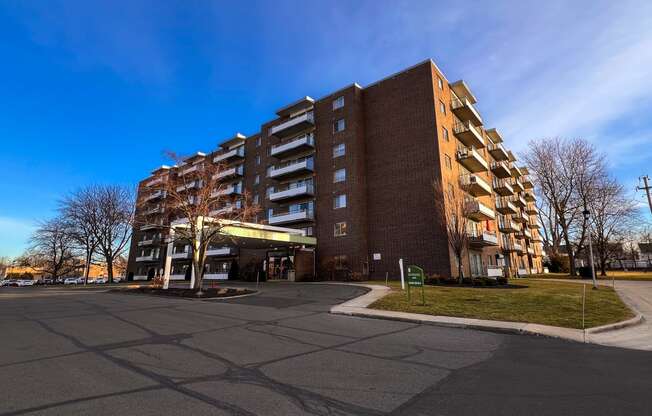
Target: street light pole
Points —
{"points": [[586, 218]]}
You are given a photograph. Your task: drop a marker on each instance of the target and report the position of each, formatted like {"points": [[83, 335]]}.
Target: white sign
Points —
{"points": [[376, 256]]}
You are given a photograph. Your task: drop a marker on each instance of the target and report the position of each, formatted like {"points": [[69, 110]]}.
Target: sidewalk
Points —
{"points": [[358, 307]]}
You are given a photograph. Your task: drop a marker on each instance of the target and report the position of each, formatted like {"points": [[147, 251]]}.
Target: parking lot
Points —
{"points": [[73, 350]]}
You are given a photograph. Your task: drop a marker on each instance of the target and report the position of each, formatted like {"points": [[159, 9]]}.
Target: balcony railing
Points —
{"points": [[484, 238], [516, 171], [527, 181], [291, 192], [156, 181], [506, 225], [230, 172], [221, 251], [159, 209], [238, 152], [190, 185], [293, 125], [472, 159], [498, 151], [292, 168], [505, 206], [149, 241], [475, 185], [501, 169], [155, 195], [182, 254], [517, 185], [194, 168], [290, 217], [149, 257], [531, 209], [478, 211], [529, 197], [468, 134], [233, 189], [502, 187], [465, 111], [152, 225], [304, 142]]}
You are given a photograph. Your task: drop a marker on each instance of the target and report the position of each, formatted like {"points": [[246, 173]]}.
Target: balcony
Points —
{"points": [[530, 251], [233, 189], [534, 224], [152, 225], [497, 151], [478, 211], [517, 185], [513, 247], [225, 210], [293, 125], [518, 217], [192, 169], [527, 181], [506, 225], [505, 206], [296, 145], [155, 195], [468, 134], [529, 197], [465, 111], [483, 239], [531, 209], [292, 192], [190, 185], [149, 257], [155, 210], [237, 153], [475, 185], [221, 251], [230, 172], [519, 201], [516, 171], [471, 159], [156, 181], [148, 242], [502, 187], [293, 168], [501, 170], [291, 217], [181, 254], [527, 233]]}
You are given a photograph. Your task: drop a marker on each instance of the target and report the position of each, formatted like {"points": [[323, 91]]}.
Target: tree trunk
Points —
{"points": [[109, 268], [460, 272]]}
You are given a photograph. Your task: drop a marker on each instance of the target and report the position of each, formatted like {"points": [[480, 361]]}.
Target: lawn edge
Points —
{"points": [[359, 307]]}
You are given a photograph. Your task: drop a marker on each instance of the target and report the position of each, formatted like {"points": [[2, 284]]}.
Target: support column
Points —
{"points": [[168, 260]]}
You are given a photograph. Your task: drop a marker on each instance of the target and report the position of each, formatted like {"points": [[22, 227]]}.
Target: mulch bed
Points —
{"points": [[206, 293]]}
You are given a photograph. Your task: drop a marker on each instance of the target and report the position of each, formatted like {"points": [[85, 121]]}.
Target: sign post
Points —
{"points": [[415, 278]]}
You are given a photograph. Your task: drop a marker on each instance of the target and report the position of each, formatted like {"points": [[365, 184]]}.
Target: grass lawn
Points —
{"points": [[611, 274], [541, 302]]}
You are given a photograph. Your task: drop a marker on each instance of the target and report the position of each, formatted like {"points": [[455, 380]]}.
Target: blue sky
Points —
{"points": [[93, 92]]}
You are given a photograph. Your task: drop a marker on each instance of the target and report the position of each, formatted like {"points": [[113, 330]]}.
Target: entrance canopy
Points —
{"points": [[252, 235]]}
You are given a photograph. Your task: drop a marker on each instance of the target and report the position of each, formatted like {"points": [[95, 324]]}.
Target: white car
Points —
{"points": [[26, 282], [100, 280], [71, 281]]}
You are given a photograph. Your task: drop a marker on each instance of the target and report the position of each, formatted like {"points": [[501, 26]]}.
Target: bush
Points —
{"points": [[585, 272], [502, 280], [558, 264]]}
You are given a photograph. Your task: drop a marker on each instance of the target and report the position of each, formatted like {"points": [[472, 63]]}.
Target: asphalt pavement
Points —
{"points": [[66, 351]]}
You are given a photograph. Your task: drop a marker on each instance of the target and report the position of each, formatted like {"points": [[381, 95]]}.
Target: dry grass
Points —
{"points": [[611, 274]]}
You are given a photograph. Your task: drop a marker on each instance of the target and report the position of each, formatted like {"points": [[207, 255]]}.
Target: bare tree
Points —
{"points": [[5, 263], [52, 250], [612, 215], [112, 221], [203, 205], [566, 172], [80, 211], [452, 213]]}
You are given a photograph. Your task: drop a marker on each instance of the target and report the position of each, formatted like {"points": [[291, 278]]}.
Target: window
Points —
{"points": [[256, 179], [339, 201], [339, 125], [338, 103], [440, 83], [339, 150], [340, 229], [447, 162], [258, 159], [442, 107], [258, 141], [340, 262], [256, 199], [339, 175], [445, 133]]}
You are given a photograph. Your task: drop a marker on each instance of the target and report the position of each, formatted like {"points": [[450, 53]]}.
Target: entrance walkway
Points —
{"points": [[639, 296]]}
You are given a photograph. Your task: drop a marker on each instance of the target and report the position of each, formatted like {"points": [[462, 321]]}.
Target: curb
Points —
{"points": [[358, 307]]}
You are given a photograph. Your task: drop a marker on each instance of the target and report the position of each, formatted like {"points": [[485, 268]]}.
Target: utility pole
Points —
{"points": [[646, 187]]}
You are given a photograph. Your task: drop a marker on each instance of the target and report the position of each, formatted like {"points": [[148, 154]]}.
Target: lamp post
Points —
{"points": [[586, 218]]}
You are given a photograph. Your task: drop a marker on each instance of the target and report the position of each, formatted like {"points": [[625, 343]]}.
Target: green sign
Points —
{"points": [[415, 278]]}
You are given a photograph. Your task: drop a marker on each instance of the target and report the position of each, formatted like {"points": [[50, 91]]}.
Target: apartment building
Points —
{"points": [[355, 170]]}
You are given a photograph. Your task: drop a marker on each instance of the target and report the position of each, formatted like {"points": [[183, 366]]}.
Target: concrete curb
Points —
{"points": [[358, 307]]}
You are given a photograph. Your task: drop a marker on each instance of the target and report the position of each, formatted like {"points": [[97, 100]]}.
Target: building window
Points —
{"points": [[440, 83], [445, 133], [256, 199], [258, 141], [339, 201], [258, 159], [256, 179], [338, 103], [340, 262], [447, 161], [339, 175], [442, 107], [340, 229], [339, 125], [339, 150]]}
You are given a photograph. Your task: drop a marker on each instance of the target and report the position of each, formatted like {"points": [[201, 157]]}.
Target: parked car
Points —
{"points": [[100, 280], [27, 282], [4, 282], [71, 281], [48, 281], [11, 282]]}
